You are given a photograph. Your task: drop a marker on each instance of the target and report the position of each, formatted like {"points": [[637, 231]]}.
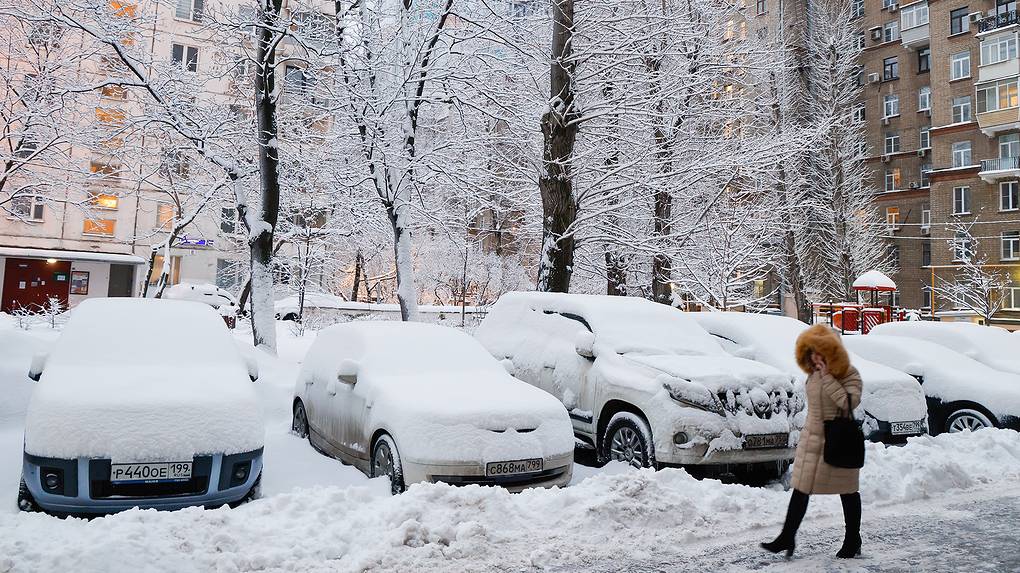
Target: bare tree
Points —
{"points": [[974, 285]]}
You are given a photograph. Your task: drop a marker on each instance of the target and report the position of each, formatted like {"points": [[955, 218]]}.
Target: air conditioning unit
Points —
{"points": [[886, 158], [975, 17], [876, 33], [885, 121], [921, 152], [925, 230], [913, 184], [874, 78], [894, 7]]}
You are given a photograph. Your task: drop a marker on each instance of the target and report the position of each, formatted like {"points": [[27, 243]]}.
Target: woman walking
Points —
{"points": [[833, 389]]}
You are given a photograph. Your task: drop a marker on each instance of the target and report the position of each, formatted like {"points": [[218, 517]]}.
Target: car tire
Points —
{"points": [[386, 462], [628, 439], [967, 419], [25, 500], [299, 421]]}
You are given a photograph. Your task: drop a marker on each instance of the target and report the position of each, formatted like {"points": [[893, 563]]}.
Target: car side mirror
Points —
{"points": [[35, 370], [584, 344], [348, 372]]}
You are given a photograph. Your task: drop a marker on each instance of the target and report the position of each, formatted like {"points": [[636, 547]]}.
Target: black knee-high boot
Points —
{"points": [[852, 516], [794, 515]]}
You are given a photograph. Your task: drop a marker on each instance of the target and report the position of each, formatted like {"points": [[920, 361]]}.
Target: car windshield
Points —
{"points": [[634, 326]]}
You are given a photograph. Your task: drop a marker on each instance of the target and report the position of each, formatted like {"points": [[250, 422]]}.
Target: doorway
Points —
{"points": [[32, 282]]}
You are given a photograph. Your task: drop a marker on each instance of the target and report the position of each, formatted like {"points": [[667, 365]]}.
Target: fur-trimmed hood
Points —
{"points": [[823, 340]]}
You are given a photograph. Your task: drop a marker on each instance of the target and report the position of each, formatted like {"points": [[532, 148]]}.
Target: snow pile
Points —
{"points": [[115, 386], [948, 375], [989, 345], [436, 527], [438, 393]]}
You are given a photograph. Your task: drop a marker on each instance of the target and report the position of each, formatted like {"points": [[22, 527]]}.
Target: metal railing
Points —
{"points": [[997, 21], [1000, 164]]}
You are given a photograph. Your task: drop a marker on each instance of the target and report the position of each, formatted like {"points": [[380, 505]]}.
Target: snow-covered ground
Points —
{"points": [[318, 515]]}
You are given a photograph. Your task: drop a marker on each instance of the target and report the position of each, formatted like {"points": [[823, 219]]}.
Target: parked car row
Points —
{"points": [[111, 427]]}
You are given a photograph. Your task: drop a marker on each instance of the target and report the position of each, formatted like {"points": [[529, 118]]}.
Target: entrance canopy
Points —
{"points": [[874, 281], [25, 253]]}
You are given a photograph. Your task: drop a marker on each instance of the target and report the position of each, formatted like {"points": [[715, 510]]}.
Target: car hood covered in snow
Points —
{"points": [[718, 373], [117, 385]]}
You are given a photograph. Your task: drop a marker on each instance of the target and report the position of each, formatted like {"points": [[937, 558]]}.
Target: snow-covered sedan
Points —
{"points": [[141, 403], [893, 405], [644, 384], [962, 393], [425, 403], [989, 345]]}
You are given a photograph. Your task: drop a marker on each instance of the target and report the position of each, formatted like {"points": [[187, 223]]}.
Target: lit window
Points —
{"points": [[157, 270], [892, 217], [103, 200], [110, 116], [103, 227], [892, 179], [123, 9], [1000, 95], [165, 213]]}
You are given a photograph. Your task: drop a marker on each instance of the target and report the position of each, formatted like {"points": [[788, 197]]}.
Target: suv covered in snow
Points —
{"points": [[643, 383], [119, 420]]}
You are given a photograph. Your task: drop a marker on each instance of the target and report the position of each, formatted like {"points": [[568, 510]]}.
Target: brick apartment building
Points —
{"points": [[940, 99]]}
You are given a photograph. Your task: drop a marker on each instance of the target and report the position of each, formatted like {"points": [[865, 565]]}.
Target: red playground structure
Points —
{"points": [[860, 318]]}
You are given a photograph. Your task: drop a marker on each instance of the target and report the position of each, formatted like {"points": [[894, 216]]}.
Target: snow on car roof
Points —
{"points": [[625, 324], [987, 344], [204, 293]]}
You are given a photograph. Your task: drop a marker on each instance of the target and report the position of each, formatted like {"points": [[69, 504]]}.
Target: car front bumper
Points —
{"points": [[89, 491], [698, 454], [557, 471]]}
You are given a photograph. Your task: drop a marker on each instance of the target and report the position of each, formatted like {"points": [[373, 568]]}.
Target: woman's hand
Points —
{"points": [[819, 363]]}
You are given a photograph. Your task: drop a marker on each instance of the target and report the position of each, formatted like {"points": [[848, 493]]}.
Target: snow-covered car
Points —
{"points": [[989, 345], [212, 295], [643, 383], [962, 393], [892, 404], [287, 308], [141, 403], [425, 403]]}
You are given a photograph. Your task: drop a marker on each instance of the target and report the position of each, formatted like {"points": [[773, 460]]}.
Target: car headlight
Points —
{"points": [[693, 395]]}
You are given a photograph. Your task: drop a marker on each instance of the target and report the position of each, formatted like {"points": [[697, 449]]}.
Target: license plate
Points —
{"points": [[759, 441], [493, 469], [900, 428], [150, 472]]}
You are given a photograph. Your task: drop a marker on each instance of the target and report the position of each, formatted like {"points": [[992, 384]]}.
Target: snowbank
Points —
{"points": [[437, 527], [143, 380]]}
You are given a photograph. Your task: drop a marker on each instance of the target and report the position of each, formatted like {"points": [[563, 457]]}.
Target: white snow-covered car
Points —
{"points": [[287, 308], [962, 393], [425, 403], [141, 403], [212, 295], [892, 404], [643, 383], [989, 345]]}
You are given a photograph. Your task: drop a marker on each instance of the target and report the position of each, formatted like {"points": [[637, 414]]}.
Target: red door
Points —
{"points": [[31, 282]]}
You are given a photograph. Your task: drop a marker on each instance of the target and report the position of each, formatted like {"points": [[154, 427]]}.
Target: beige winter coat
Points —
{"points": [[827, 397]]}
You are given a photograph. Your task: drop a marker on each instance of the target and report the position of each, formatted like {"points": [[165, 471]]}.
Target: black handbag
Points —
{"points": [[844, 442]]}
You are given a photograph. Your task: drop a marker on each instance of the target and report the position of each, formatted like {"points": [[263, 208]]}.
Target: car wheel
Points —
{"points": [[628, 440], [299, 425], [386, 462], [967, 419], [25, 500]]}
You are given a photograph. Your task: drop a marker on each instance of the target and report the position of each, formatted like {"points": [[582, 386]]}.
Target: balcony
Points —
{"points": [[992, 123], [996, 21], [916, 37], [993, 170]]}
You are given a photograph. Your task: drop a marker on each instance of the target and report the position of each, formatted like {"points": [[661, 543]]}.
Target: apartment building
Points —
{"points": [[940, 99]]}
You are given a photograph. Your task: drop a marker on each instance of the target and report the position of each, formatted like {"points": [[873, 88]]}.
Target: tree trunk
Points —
{"points": [[358, 262], [407, 295], [616, 273], [261, 238], [559, 132], [662, 266]]}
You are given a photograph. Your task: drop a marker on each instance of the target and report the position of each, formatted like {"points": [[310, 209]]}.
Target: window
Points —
{"points": [[961, 154], [103, 227], [164, 215], [961, 109], [887, 3], [925, 216], [99, 200], [914, 16], [157, 270], [228, 220], [1011, 298], [184, 56], [299, 80], [176, 163], [189, 10], [924, 98], [962, 247], [925, 253], [925, 172], [890, 105], [114, 91], [924, 137], [1004, 6], [891, 31], [892, 217], [102, 169], [999, 95], [959, 66], [959, 22], [111, 117], [857, 10], [961, 200], [894, 258], [892, 142], [890, 69], [1009, 145], [926, 297], [1010, 245], [923, 59], [762, 6], [892, 179], [998, 49], [859, 112], [861, 41], [1009, 196], [229, 273], [28, 207]]}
